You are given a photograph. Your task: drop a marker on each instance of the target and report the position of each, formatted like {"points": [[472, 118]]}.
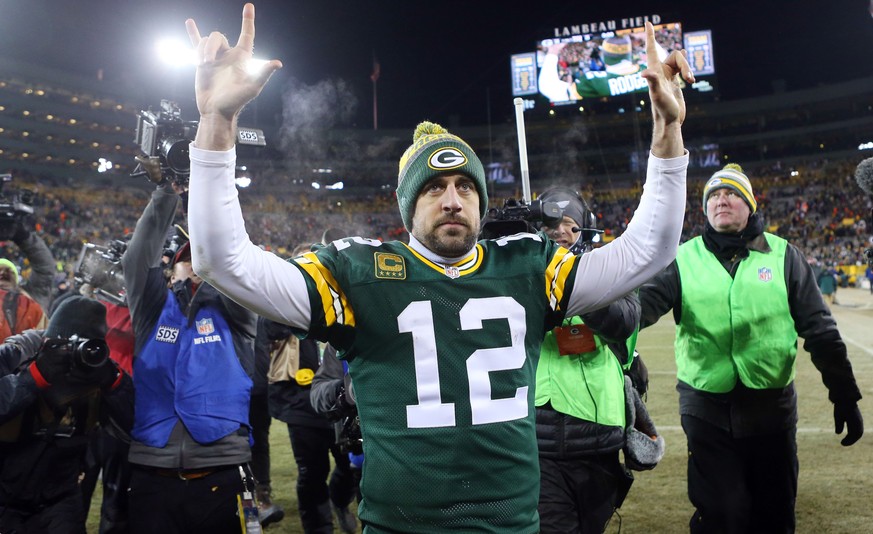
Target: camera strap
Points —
{"points": [[10, 310]]}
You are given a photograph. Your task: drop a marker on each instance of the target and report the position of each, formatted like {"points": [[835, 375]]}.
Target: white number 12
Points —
{"points": [[431, 411]]}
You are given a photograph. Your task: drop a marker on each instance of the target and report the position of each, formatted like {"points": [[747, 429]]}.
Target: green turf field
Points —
{"points": [[835, 482]]}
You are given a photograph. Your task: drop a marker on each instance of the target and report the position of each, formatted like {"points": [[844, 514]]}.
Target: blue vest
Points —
{"points": [[192, 374]]}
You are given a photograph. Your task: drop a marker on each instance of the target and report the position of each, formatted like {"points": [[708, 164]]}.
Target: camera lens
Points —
{"points": [[91, 352], [175, 152]]}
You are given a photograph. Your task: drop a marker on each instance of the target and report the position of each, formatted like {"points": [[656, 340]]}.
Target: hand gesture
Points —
{"points": [[668, 105], [223, 83]]}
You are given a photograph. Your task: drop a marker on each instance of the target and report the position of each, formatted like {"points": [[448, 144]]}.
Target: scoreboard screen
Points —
{"points": [[596, 65]]}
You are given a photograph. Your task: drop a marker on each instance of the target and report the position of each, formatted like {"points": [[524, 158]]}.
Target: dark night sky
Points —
{"points": [[438, 59]]}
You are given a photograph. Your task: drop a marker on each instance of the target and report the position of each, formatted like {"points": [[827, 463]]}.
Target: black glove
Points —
{"points": [[847, 414], [103, 376], [53, 362], [343, 407], [78, 379], [639, 374]]}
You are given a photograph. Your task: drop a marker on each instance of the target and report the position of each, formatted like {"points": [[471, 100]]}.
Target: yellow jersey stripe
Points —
{"points": [[333, 300], [556, 276]]}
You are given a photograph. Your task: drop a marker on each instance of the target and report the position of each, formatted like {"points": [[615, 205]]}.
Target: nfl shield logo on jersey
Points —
{"points": [[205, 327], [452, 271], [765, 274]]}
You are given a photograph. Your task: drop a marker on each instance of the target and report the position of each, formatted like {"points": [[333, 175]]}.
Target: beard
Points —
{"points": [[450, 242]]}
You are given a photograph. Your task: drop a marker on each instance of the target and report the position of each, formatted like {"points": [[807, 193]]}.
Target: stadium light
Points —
{"points": [[255, 65], [175, 53], [242, 179], [103, 165]]}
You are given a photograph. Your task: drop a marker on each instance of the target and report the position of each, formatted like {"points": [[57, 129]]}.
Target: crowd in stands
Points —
{"points": [[817, 206]]}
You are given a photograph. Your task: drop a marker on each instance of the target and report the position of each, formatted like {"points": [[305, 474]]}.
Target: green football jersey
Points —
{"points": [[443, 359]]}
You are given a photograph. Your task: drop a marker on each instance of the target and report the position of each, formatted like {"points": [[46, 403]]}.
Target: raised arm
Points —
{"points": [[39, 287], [221, 251], [652, 237], [668, 104], [223, 84]]}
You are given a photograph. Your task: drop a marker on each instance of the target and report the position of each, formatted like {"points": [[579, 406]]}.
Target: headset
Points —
{"points": [[574, 206]]}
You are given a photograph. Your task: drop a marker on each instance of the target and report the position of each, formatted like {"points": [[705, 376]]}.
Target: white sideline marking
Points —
{"points": [[803, 430], [858, 345]]}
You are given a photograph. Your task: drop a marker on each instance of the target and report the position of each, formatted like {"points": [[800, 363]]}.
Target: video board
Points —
{"points": [[595, 65]]}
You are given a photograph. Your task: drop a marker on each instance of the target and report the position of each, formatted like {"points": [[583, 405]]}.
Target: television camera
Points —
{"points": [[164, 135], [15, 208], [519, 216], [100, 267], [346, 412]]}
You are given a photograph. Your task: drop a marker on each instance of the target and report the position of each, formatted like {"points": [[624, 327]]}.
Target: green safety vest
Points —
{"points": [[738, 327], [588, 386]]}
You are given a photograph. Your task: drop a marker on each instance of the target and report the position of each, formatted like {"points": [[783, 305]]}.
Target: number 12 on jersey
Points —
{"points": [[431, 411]]}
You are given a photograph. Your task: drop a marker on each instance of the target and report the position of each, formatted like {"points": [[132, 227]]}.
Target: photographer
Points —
{"points": [[55, 386], [15, 225], [333, 395], [193, 359], [39, 284], [24, 303], [20, 312], [106, 460]]}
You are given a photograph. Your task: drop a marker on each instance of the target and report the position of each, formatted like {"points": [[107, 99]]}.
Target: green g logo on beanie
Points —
{"points": [[446, 158], [435, 151]]}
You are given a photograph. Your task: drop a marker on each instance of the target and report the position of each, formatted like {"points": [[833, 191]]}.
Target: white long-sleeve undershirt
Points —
{"points": [[224, 256]]}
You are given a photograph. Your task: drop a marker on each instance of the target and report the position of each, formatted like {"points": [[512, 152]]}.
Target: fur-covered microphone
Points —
{"points": [[864, 176]]}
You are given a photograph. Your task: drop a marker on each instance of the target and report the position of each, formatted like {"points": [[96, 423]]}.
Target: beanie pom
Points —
{"points": [[427, 128], [733, 167]]}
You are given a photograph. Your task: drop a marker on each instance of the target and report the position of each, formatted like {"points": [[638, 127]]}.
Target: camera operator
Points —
{"points": [[54, 388], [334, 396], [193, 360], [24, 303], [583, 405]]}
